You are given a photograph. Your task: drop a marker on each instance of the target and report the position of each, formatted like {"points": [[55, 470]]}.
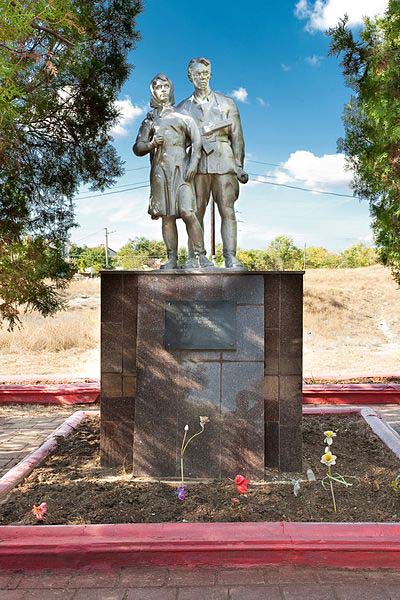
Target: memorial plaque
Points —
{"points": [[207, 325]]}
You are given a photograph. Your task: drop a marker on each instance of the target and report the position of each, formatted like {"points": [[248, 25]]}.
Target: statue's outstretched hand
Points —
{"points": [[242, 176]]}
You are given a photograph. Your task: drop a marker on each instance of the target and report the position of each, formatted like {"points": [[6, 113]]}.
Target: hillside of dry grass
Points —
{"points": [[351, 327]]}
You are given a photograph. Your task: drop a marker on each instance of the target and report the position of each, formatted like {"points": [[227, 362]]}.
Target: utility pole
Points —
{"points": [[106, 246]]}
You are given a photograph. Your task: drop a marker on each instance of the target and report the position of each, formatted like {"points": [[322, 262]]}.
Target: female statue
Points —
{"points": [[166, 135]]}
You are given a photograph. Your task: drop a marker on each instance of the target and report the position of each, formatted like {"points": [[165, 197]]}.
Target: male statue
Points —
{"points": [[222, 155]]}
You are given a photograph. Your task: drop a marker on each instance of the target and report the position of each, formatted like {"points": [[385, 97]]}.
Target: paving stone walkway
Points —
{"points": [[25, 427], [274, 583]]}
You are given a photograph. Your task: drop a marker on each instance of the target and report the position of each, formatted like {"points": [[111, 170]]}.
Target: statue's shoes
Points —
{"points": [[231, 262], [172, 263], [191, 263], [205, 263]]}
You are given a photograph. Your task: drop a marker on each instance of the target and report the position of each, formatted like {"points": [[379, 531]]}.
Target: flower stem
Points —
{"points": [[184, 446], [332, 492], [182, 451]]}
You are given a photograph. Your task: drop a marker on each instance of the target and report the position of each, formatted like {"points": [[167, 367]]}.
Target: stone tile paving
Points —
{"points": [[25, 427], [146, 583], [391, 414]]}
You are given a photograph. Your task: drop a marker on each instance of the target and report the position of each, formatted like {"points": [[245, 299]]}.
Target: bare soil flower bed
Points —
{"points": [[78, 491]]}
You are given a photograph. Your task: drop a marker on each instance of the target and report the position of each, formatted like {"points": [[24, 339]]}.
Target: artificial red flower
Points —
{"points": [[241, 484], [39, 511]]}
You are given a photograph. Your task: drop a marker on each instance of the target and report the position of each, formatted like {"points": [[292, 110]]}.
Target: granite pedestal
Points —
{"points": [[155, 380]]}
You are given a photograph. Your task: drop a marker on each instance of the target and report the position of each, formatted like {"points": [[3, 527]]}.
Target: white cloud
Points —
{"points": [[314, 60], [325, 172], [262, 102], [285, 68], [240, 94], [322, 14], [128, 113]]}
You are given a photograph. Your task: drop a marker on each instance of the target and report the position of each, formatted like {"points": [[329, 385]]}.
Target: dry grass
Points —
{"points": [[351, 327], [351, 322]]}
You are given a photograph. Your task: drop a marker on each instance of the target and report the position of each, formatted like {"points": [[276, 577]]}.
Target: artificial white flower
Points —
{"points": [[328, 458], [186, 427], [204, 420], [329, 435]]}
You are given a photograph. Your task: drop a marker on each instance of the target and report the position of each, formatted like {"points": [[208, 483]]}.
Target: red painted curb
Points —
{"points": [[355, 393], [82, 393], [26, 466], [356, 545]]}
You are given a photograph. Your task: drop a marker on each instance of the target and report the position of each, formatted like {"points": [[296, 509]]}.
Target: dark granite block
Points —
{"points": [[290, 387], [119, 408], [156, 409], [290, 449], [271, 351], [244, 289], [129, 386], [201, 287], [111, 348], [272, 301], [291, 365], [272, 444], [111, 298], [129, 332], [117, 426], [242, 414], [290, 400], [197, 355], [199, 393], [111, 385], [130, 298], [249, 335], [116, 443], [291, 309], [290, 412], [271, 397]]}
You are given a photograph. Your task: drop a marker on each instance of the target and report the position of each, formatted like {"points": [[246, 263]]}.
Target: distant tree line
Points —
{"points": [[281, 254]]}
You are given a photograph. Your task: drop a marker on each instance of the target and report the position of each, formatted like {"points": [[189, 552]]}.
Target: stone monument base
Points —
{"points": [[179, 345]]}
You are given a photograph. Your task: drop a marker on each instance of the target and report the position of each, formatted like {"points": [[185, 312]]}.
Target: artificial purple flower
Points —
{"points": [[181, 492]]}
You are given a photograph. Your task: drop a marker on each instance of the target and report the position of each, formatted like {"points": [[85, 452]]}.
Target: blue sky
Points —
{"points": [[272, 58]]}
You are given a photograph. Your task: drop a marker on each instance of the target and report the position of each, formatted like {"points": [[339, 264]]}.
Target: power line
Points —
{"points": [[260, 162], [295, 187], [138, 187]]}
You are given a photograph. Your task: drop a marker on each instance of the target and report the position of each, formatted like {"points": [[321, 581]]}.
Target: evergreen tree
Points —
{"points": [[62, 64], [371, 67]]}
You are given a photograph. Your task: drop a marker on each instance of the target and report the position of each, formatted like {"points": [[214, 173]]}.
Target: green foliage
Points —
{"points": [[371, 67], [141, 253], [84, 257], [318, 257], [358, 255], [62, 64], [284, 255]]}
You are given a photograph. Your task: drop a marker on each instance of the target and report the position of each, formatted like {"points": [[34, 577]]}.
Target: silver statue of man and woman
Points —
{"points": [[196, 150]]}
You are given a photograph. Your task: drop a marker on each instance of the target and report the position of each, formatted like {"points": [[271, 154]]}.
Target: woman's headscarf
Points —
{"points": [[154, 103]]}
